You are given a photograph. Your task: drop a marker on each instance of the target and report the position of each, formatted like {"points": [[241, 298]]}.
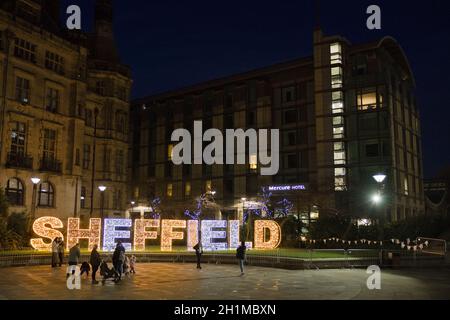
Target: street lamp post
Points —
{"points": [[35, 182], [102, 199], [377, 199], [132, 207], [94, 145]]}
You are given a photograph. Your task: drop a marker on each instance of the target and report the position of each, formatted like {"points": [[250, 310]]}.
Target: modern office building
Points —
{"points": [[64, 111], [345, 113]]}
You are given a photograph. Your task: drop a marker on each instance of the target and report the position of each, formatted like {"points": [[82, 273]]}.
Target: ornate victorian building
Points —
{"points": [[64, 110]]}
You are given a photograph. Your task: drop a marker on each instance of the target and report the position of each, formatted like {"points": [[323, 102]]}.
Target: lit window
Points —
{"points": [[339, 157], [338, 146], [406, 186], [339, 172], [339, 184], [169, 190], [187, 189], [208, 185], [338, 121], [253, 162], [367, 100], [18, 139], [336, 77], [337, 104], [169, 151], [338, 133], [335, 53]]}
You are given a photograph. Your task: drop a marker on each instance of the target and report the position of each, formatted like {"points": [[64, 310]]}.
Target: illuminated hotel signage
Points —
{"points": [[296, 187], [215, 234]]}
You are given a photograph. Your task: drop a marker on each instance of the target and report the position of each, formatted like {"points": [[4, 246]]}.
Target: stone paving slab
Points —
{"points": [[160, 281]]}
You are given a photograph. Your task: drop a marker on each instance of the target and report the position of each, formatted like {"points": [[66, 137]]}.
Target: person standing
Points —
{"points": [[61, 251], [54, 252], [132, 264], [198, 252], [95, 261], [240, 255], [74, 257], [118, 259]]}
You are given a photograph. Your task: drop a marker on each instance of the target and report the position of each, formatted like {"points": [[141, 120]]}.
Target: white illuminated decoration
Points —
{"points": [[167, 233], [233, 238], [274, 237], [192, 234], [210, 236], [40, 228], [110, 233], [74, 233], [233, 235], [214, 233], [141, 234]]}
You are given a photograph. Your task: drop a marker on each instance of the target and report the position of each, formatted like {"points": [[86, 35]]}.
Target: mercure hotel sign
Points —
{"points": [[214, 234]]}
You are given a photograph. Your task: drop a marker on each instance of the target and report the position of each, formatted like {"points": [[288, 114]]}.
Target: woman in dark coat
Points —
{"points": [[95, 261]]}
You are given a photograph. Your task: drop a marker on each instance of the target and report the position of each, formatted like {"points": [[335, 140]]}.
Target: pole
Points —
{"points": [[33, 207], [102, 203], [93, 162]]}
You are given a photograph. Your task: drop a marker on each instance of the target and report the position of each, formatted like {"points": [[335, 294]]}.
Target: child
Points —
{"points": [[85, 267], [132, 264]]}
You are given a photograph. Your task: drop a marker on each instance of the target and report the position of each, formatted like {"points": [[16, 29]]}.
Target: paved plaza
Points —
{"points": [[183, 281]]}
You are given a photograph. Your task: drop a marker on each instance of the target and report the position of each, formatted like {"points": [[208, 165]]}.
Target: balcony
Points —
{"points": [[17, 160], [51, 165]]}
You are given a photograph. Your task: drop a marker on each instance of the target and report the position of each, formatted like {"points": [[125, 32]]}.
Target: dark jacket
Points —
{"points": [[117, 255], [240, 252], [74, 254], [198, 249], [95, 259]]}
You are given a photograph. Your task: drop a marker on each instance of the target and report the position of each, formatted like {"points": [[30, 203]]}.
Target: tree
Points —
{"points": [[3, 204], [8, 238], [155, 204]]}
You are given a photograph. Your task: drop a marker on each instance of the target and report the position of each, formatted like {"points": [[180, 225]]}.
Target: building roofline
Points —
{"points": [[220, 82]]}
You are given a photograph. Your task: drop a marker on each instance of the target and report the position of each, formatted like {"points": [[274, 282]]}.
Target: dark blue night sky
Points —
{"points": [[171, 44]]}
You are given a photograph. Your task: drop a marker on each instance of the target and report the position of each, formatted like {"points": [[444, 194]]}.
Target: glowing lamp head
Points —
{"points": [[35, 180], [379, 177], [133, 203], [244, 199], [213, 193], [101, 188], [376, 198]]}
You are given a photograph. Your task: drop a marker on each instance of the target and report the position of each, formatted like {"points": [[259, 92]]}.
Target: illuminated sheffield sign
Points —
{"points": [[215, 234], [288, 188]]}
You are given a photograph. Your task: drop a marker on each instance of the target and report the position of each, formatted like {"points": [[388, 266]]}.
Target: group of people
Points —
{"points": [[240, 255], [57, 252], [122, 264]]}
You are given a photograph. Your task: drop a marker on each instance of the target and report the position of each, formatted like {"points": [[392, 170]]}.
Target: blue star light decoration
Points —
{"points": [[156, 203], [195, 215]]}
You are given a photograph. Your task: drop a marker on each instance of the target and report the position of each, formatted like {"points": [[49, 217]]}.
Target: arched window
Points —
{"points": [[46, 195], [14, 192]]}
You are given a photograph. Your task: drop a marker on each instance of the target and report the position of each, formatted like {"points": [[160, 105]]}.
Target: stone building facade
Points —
{"points": [[54, 83]]}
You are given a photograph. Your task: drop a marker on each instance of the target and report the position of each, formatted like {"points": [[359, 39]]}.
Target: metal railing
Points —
{"points": [[17, 160]]}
